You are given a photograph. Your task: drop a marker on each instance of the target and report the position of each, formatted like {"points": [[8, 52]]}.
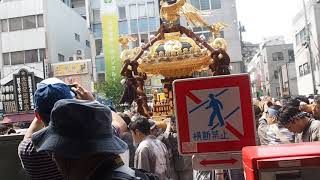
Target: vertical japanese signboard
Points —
{"points": [[24, 88], [110, 29]]}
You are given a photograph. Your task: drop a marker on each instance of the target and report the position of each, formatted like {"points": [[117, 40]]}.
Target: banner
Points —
{"points": [[110, 34]]}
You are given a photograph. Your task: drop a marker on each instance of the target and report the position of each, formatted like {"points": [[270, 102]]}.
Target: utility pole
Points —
{"points": [[309, 48]]}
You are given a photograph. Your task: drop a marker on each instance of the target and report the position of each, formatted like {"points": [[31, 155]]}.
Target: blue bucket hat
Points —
{"points": [[48, 92], [79, 128]]}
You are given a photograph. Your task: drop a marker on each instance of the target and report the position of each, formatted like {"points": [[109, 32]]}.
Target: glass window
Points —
{"points": [[42, 53], [31, 56], [133, 11], [15, 24], [101, 77], [151, 9], [303, 35], [96, 16], [215, 4], [100, 64], [123, 27], [6, 59], [122, 13], [76, 36], [17, 58], [291, 55], [204, 4], [134, 27], [97, 30], [60, 57], [98, 43], [4, 25], [195, 3], [142, 10], [276, 75], [29, 22], [153, 24], [40, 20], [87, 43], [208, 35], [143, 25], [222, 34], [306, 68], [280, 56], [301, 70], [277, 56]]}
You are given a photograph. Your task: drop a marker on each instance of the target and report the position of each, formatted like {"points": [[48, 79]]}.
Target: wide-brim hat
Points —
{"points": [[77, 129]]}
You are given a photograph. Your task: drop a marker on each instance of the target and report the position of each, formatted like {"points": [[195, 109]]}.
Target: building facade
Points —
{"points": [[301, 43], [34, 35], [221, 11], [271, 70], [138, 18]]}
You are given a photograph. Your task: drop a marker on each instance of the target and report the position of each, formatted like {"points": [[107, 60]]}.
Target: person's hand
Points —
{"points": [[82, 93]]}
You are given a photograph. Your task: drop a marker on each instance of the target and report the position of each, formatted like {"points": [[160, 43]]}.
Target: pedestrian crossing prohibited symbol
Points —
{"points": [[214, 114]]}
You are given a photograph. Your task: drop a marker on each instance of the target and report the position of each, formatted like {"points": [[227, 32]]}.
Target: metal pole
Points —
{"points": [[309, 48], [287, 69]]}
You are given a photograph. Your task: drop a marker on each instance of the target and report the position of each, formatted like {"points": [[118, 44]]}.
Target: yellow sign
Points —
{"points": [[70, 69]]}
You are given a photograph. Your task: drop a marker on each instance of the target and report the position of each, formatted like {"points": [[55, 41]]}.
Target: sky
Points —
{"points": [[265, 18]]}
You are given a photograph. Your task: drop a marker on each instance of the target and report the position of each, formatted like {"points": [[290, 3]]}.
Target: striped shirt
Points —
{"points": [[38, 165]]}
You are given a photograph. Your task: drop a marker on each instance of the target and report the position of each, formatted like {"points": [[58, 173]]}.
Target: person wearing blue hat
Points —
{"points": [[39, 165], [270, 130]]}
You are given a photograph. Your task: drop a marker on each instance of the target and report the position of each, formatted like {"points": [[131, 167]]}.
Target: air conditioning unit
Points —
{"points": [[79, 55]]}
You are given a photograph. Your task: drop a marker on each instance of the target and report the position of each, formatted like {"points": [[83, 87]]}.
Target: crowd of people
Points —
{"points": [[288, 120], [74, 137]]}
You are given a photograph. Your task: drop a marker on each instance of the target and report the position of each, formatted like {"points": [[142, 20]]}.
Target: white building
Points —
{"points": [[35, 30], [268, 70], [302, 55], [221, 11]]}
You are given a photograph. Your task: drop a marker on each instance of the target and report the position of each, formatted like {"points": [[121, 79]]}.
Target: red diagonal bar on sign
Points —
{"points": [[193, 97], [233, 130]]}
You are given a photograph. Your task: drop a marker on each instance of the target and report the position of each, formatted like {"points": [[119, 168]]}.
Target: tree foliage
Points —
{"points": [[110, 90]]}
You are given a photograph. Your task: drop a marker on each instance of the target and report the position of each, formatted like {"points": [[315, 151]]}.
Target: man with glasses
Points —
{"points": [[306, 128]]}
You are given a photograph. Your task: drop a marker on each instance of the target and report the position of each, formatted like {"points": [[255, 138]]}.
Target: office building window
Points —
{"points": [[276, 74], [4, 25], [87, 43], [97, 30], [60, 57], [31, 56], [222, 34], [15, 24], [215, 4], [122, 13], [76, 36], [98, 43], [195, 3], [134, 26], [151, 9], [42, 54], [153, 24], [291, 55], [207, 35], [205, 5], [277, 56], [96, 16], [40, 20], [303, 35], [306, 68], [142, 10], [143, 25], [29, 22], [301, 70], [133, 11], [6, 59], [17, 57], [123, 27]]}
